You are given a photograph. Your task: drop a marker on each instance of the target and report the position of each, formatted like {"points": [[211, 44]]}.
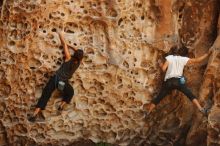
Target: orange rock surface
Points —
{"points": [[122, 40]]}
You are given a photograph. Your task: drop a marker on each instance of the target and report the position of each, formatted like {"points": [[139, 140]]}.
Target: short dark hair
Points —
{"points": [[173, 51], [183, 51], [78, 54]]}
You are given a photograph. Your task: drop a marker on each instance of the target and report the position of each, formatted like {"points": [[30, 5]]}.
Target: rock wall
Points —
{"points": [[119, 74]]}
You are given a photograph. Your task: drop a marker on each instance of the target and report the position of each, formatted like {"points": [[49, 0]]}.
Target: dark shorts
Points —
{"points": [[171, 84]]}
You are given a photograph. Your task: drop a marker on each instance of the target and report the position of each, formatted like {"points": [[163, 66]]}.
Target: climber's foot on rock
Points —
{"points": [[60, 108], [146, 114], [204, 111], [36, 118], [41, 117], [32, 119]]}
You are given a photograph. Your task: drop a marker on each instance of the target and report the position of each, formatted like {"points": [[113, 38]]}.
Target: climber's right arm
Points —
{"points": [[65, 47], [163, 66]]}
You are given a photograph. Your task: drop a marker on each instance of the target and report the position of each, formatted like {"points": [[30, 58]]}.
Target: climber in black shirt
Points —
{"points": [[60, 79]]}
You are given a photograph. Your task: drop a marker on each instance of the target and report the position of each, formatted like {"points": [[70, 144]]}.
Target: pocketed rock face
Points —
{"points": [[119, 74]]}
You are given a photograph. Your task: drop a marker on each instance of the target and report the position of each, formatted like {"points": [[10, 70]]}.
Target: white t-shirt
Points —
{"points": [[175, 66]]}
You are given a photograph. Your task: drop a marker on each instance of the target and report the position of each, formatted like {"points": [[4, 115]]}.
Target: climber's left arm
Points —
{"points": [[65, 47], [199, 59]]}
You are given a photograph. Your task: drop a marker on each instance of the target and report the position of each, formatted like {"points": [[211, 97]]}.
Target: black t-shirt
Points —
{"points": [[67, 69]]}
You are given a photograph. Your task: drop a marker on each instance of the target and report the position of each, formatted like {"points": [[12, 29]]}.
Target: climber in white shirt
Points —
{"points": [[174, 79]]}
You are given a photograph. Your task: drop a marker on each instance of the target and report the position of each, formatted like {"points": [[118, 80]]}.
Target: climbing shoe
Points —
{"points": [[60, 108], [37, 118], [204, 111], [32, 119], [146, 115]]}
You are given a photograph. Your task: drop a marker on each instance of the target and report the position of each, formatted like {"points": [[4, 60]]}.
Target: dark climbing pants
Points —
{"points": [[171, 84], [67, 92]]}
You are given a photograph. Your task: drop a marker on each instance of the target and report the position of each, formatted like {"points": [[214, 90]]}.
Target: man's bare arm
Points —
{"points": [[65, 47], [199, 59], [164, 66]]}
